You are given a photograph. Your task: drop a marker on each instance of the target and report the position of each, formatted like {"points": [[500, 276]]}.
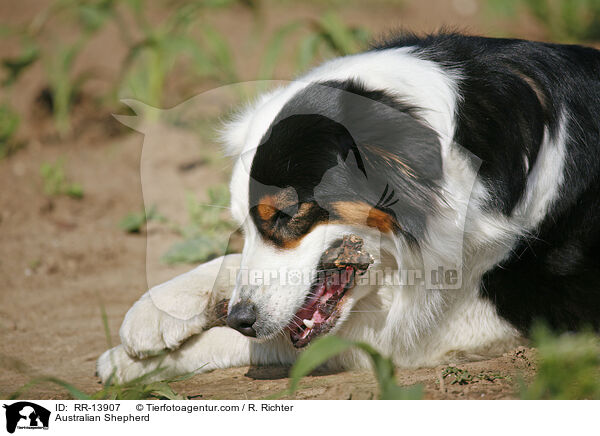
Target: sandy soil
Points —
{"points": [[62, 258]]}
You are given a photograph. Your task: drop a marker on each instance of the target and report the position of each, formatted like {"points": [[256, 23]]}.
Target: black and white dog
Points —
{"points": [[472, 163]]}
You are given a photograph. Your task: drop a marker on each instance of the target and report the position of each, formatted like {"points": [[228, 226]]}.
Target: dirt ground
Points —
{"points": [[62, 258]]}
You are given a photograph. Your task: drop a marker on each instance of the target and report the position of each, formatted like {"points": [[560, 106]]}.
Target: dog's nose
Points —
{"points": [[242, 317]]}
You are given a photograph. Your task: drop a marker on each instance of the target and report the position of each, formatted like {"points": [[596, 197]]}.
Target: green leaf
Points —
{"points": [[72, 390], [162, 390], [9, 123], [16, 66], [55, 181], [338, 34], [274, 48], [220, 51], [327, 347], [134, 221], [93, 16], [309, 48], [75, 190], [568, 366], [319, 352]]}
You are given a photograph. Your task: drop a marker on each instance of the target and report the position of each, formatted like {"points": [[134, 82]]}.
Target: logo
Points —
{"points": [[26, 415]]}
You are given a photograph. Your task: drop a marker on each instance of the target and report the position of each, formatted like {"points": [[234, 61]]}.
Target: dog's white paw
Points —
{"points": [[116, 366], [148, 331]]}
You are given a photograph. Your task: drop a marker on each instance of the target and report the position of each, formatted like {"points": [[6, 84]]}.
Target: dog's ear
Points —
{"points": [[234, 131]]}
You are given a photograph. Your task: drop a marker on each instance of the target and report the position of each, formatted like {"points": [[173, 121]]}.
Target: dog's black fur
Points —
{"points": [[317, 130], [554, 274]]}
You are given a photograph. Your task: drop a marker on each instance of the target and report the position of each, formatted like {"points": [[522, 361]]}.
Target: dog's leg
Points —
{"points": [[218, 347], [170, 313]]}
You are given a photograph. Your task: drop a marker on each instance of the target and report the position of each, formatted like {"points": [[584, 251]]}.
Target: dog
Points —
{"points": [[471, 163]]}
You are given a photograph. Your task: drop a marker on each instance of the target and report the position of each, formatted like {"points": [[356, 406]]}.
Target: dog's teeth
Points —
{"points": [[308, 323]]}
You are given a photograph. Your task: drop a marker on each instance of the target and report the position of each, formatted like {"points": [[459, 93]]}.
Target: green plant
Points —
{"points": [[9, 123], [323, 349], [563, 20], [568, 366], [151, 60], [337, 37], [459, 376], [492, 377], [134, 221], [55, 181], [324, 37], [207, 233], [15, 66], [63, 86], [58, 58]]}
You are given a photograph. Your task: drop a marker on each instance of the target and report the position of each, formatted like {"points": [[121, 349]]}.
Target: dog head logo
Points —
{"points": [[26, 415]]}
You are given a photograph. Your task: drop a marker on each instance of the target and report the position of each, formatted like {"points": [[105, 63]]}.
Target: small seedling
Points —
{"points": [[492, 377], [9, 123], [134, 221], [149, 62], [15, 66], [207, 233], [325, 36], [55, 182], [460, 376], [64, 86]]}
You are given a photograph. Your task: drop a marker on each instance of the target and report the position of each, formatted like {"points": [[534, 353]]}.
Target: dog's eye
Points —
{"points": [[282, 217]]}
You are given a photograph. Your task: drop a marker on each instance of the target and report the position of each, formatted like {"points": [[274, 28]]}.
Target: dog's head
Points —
{"points": [[334, 159]]}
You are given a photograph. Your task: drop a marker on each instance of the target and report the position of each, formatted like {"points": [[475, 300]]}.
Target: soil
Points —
{"points": [[63, 259]]}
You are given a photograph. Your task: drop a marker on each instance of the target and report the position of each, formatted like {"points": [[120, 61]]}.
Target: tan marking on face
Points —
{"points": [[381, 220], [268, 205], [362, 214], [291, 234], [266, 208]]}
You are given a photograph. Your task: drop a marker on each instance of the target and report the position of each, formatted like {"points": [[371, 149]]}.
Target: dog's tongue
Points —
{"points": [[319, 314], [326, 294]]}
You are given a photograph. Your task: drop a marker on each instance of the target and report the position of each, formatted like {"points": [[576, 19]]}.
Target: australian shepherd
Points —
{"points": [[455, 179]]}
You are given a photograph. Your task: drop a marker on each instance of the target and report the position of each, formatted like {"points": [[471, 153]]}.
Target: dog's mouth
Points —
{"points": [[338, 268]]}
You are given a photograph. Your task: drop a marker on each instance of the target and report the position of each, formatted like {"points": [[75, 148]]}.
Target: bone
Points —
{"points": [[347, 252]]}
